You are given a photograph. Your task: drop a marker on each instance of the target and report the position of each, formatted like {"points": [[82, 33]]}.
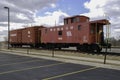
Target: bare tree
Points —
{"points": [[6, 39], [5, 42]]}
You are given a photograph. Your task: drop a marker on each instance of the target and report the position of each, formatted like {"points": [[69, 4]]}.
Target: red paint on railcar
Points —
{"points": [[75, 30]]}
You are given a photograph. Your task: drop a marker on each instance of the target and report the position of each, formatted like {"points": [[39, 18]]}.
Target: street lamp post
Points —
{"points": [[107, 37], [8, 25]]}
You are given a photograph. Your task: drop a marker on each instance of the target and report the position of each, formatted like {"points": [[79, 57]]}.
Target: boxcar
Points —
{"points": [[30, 36]]}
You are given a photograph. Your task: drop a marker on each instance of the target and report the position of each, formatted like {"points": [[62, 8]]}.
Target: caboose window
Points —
{"points": [[78, 19], [65, 21], [45, 30], [75, 20], [72, 20], [79, 27], [59, 33], [92, 29]]}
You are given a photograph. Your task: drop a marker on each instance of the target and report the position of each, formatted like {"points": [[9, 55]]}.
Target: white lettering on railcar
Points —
{"points": [[28, 32], [59, 38], [71, 27], [69, 33], [58, 29], [28, 35], [13, 35], [66, 28], [85, 39], [54, 29], [51, 30], [62, 29]]}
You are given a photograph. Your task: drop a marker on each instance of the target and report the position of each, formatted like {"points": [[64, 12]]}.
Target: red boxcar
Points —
{"points": [[26, 36]]}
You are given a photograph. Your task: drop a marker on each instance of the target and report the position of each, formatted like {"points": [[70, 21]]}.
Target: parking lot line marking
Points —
{"points": [[20, 62], [12, 71], [70, 73], [15, 58]]}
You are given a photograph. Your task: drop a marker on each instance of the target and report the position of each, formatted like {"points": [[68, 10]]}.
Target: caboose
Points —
{"points": [[77, 31]]}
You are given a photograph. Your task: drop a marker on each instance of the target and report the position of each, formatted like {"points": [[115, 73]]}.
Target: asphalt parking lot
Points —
{"points": [[14, 67]]}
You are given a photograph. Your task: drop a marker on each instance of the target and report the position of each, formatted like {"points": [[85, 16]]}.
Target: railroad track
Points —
{"points": [[70, 50]]}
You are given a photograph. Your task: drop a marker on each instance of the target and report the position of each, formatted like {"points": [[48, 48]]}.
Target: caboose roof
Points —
{"points": [[35, 26], [76, 16], [102, 21]]}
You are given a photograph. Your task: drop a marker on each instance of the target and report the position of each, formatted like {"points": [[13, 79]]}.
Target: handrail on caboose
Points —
{"points": [[101, 22]]}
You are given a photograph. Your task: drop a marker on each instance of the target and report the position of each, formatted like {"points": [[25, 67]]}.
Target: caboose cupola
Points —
{"points": [[75, 19]]}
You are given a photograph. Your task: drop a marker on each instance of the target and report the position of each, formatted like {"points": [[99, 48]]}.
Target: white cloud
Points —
{"points": [[3, 28], [95, 8], [98, 9], [22, 13], [117, 30], [51, 18], [2, 37], [48, 13], [53, 5], [3, 34], [22, 16]]}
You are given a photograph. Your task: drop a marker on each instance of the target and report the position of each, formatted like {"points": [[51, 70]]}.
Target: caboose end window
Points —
{"points": [[45, 30]]}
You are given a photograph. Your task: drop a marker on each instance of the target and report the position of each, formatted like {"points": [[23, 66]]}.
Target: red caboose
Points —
{"points": [[77, 31]]}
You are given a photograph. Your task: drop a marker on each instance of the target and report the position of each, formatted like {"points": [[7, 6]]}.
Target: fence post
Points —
{"points": [[53, 51], [27, 51], [105, 56]]}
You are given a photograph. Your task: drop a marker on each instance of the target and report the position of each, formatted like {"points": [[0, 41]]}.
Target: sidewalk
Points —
{"points": [[112, 64]]}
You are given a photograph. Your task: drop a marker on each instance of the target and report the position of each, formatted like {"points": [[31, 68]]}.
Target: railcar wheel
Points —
{"points": [[84, 48], [95, 48], [59, 48], [78, 48]]}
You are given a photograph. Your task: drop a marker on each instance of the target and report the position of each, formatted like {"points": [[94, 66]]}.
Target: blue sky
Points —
{"points": [[71, 7]]}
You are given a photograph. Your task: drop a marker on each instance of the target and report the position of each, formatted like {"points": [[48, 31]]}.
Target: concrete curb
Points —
{"points": [[111, 64]]}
